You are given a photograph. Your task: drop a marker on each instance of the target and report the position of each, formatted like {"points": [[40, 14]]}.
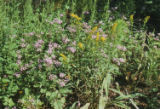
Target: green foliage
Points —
{"points": [[50, 59]]}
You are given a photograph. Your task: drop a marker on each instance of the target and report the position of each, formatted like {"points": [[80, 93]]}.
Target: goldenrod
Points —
{"points": [[80, 45], [94, 29], [114, 27], [20, 92], [75, 16], [63, 56], [146, 19], [103, 39], [97, 38], [131, 18]]}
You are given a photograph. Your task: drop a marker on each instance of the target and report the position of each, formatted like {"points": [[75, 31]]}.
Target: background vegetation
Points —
{"points": [[79, 54]]}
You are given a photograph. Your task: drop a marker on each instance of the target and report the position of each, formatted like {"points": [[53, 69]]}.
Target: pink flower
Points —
{"points": [[17, 75], [23, 68], [65, 40], [122, 60], [53, 57], [50, 50], [71, 29], [55, 45], [86, 12], [104, 35], [22, 40], [58, 21], [52, 76], [23, 45], [62, 75], [94, 36], [100, 30], [62, 83], [18, 62], [157, 39], [122, 48], [57, 63], [31, 33], [86, 26], [38, 45], [19, 56], [74, 43], [61, 15], [71, 49], [48, 61]]}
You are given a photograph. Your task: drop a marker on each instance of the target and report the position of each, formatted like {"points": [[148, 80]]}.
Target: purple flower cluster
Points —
{"points": [[58, 21], [48, 61], [19, 56], [23, 44], [71, 29], [38, 45], [63, 82], [65, 40], [122, 48], [52, 77], [62, 75], [71, 49], [55, 20], [29, 34], [118, 61]]}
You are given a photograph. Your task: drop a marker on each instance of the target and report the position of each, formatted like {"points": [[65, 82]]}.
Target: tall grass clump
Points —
{"points": [[52, 57]]}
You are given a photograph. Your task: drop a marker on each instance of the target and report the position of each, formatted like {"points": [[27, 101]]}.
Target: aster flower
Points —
{"points": [[48, 61], [94, 36], [74, 43], [18, 62], [16, 74], [122, 48], [57, 63], [23, 45], [38, 45], [65, 40], [52, 77], [62, 75], [61, 15], [86, 26], [58, 21], [71, 49], [71, 29], [86, 12], [55, 45], [31, 33], [62, 83], [122, 60]]}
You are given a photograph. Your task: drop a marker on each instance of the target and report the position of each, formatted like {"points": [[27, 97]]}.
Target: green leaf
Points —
{"points": [[73, 105], [59, 103], [8, 102], [4, 80], [102, 102], [86, 106]]}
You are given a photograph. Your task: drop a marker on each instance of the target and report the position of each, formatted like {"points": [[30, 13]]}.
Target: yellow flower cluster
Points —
{"points": [[114, 27], [80, 45], [94, 29], [63, 56], [97, 38], [103, 39], [131, 18], [75, 16], [146, 19]]}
